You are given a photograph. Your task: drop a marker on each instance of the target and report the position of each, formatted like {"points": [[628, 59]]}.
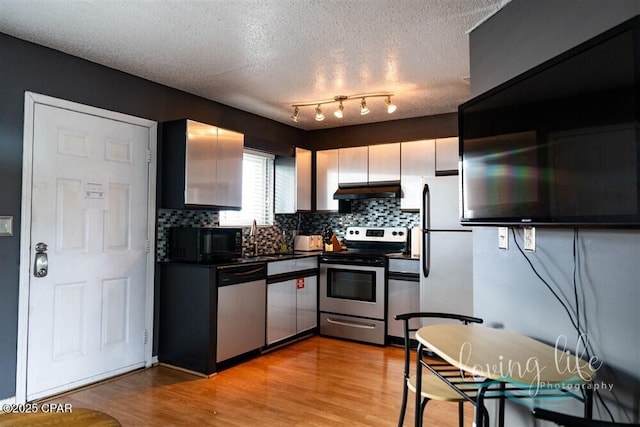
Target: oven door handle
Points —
{"points": [[351, 324]]}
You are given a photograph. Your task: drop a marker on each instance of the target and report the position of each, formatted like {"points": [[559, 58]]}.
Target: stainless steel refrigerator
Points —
{"points": [[446, 252]]}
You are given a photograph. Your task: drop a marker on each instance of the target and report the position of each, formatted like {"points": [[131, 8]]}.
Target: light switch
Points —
{"points": [[6, 226], [530, 239], [503, 237]]}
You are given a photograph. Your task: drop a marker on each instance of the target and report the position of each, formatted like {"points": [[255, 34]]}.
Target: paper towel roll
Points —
{"points": [[416, 242]]}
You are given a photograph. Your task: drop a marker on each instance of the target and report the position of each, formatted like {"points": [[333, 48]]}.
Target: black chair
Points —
{"points": [[573, 421], [433, 388]]}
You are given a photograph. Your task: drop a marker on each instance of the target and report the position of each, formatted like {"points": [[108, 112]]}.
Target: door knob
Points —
{"points": [[41, 265]]}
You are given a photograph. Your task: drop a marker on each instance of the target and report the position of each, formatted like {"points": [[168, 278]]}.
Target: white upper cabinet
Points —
{"points": [[373, 163], [353, 165], [384, 162], [417, 160], [229, 168], [447, 154], [326, 179], [202, 166], [303, 179], [293, 182], [285, 171]]}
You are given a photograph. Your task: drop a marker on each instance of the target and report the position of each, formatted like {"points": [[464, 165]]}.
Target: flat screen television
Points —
{"points": [[558, 145]]}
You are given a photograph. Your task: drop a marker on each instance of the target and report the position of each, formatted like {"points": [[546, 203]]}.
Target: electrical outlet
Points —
{"points": [[6, 226], [503, 237], [530, 239]]}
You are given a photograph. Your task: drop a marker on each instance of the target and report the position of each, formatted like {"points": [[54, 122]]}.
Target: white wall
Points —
{"points": [[507, 293]]}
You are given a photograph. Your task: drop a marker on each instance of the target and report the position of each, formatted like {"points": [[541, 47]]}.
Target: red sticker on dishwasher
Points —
{"points": [[300, 283]]}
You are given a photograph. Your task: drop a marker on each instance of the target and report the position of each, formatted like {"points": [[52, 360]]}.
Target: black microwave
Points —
{"points": [[204, 245]]}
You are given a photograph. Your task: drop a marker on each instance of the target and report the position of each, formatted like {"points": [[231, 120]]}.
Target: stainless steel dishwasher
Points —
{"points": [[242, 290]]}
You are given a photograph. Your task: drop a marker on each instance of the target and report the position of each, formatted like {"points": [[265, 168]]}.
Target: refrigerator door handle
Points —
{"points": [[426, 255], [426, 207], [426, 236]]}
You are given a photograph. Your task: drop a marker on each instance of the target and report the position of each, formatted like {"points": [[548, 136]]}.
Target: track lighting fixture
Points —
{"points": [[339, 112], [363, 108]]}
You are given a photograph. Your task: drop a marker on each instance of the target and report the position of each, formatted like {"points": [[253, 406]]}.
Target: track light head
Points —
{"points": [[319, 115], [338, 113], [363, 108], [390, 107], [294, 117]]}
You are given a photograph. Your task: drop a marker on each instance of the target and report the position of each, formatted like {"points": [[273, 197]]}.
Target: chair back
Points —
{"points": [[406, 319]]}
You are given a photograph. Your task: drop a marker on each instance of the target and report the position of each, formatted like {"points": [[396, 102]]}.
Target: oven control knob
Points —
{"points": [[395, 233], [401, 233]]}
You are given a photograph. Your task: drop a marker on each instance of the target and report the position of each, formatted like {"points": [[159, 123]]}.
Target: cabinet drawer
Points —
{"points": [[291, 265], [352, 328], [401, 265]]}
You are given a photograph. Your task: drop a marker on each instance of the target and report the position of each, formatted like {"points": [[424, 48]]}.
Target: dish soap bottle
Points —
{"points": [[283, 243]]}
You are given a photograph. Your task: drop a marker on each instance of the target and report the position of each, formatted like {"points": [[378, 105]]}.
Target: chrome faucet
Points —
{"points": [[253, 235]]}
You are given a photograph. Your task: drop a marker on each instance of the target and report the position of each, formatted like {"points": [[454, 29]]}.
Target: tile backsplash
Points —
{"points": [[180, 218], [367, 212]]}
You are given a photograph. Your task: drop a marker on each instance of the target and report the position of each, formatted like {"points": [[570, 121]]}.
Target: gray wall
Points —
{"points": [[507, 293], [526, 33]]}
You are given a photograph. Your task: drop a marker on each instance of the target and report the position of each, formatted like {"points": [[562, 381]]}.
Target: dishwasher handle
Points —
{"points": [[231, 275]]}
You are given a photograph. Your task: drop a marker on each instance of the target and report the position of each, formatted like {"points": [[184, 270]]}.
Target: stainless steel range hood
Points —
{"points": [[382, 190]]}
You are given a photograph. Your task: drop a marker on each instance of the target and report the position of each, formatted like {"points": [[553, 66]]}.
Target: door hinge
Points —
{"points": [[147, 246], [146, 336], [148, 156]]}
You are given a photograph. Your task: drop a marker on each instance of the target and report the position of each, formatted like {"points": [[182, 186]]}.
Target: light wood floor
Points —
{"points": [[315, 382]]}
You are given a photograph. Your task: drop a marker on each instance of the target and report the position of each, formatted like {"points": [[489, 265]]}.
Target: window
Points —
{"points": [[257, 191]]}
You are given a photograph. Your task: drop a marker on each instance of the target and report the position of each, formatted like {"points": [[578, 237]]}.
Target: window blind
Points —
{"points": [[257, 191]]}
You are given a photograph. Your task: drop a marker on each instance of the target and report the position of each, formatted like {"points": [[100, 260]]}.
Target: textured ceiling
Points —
{"points": [[261, 56]]}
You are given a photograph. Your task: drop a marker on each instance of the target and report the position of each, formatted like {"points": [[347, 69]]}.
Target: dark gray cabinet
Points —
{"points": [[188, 326]]}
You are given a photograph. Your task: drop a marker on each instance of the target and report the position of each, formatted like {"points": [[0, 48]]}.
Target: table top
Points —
{"points": [[504, 356]]}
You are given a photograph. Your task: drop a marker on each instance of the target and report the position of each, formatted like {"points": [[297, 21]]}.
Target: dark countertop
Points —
{"points": [[282, 257], [402, 256], [278, 257], [254, 259]]}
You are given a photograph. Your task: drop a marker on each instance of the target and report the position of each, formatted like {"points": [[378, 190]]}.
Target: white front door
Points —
{"points": [[87, 317]]}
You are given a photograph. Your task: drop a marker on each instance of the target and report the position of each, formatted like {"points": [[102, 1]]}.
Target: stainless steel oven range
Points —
{"points": [[352, 284]]}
